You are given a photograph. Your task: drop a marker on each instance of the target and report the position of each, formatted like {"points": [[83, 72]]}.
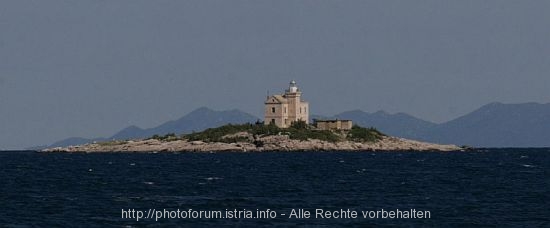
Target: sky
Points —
{"points": [[90, 68]]}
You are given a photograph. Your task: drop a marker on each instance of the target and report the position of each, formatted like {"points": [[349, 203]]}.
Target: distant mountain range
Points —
{"points": [[497, 125], [493, 125], [197, 120]]}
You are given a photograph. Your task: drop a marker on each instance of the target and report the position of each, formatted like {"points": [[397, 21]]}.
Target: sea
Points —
{"points": [[480, 188]]}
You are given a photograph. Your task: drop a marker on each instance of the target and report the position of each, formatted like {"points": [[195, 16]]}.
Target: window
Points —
{"points": [[285, 109], [273, 121], [300, 110], [305, 110], [273, 109]]}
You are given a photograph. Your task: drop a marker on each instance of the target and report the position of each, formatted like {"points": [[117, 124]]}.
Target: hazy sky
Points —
{"points": [[91, 68]]}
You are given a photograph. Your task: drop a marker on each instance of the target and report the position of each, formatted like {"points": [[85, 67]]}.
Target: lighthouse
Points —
{"points": [[286, 108]]}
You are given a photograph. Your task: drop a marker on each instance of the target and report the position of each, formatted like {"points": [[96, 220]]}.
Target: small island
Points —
{"points": [[285, 127], [259, 137]]}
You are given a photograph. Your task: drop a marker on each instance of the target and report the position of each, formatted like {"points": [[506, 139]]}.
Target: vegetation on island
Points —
{"points": [[361, 134], [112, 143], [299, 130], [168, 137]]}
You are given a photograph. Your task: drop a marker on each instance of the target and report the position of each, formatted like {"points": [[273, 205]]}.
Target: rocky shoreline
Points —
{"points": [[267, 143]]}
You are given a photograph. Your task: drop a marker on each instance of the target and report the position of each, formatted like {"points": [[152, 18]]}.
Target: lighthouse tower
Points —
{"points": [[293, 88]]}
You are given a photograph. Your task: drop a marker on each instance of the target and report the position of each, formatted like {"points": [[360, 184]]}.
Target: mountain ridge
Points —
{"points": [[499, 125]]}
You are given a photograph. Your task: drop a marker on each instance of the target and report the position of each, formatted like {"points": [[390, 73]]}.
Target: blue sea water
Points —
{"points": [[494, 187]]}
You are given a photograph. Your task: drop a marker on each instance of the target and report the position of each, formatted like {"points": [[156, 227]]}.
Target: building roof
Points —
{"points": [[278, 99], [332, 120]]}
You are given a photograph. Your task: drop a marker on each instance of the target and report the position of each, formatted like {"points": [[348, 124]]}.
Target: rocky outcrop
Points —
{"points": [[267, 143]]}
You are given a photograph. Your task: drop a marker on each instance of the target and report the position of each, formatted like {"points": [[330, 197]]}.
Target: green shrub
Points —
{"points": [[362, 134], [270, 129], [155, 136], [299, 131], [300, 124], [112, 143], [167, 137]]}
